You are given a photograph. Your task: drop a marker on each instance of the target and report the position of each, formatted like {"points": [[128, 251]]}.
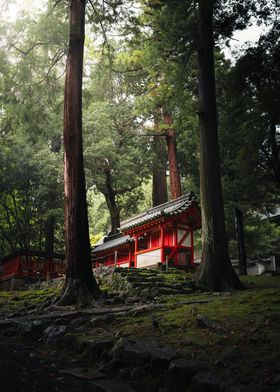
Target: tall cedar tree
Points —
{"points": [[216, 271], [159, 191], [159, 166], [80, 286], [174, 174]]}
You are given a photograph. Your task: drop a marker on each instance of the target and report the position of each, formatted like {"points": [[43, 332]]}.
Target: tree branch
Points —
{"points": [[26, 52], [56, 59], [104, 33]]}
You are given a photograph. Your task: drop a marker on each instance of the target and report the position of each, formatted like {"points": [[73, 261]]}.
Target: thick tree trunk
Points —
{"points": [[81, 287], [241, 243], [216, 271], [110, 197], [275, 153], [159, 195], [174, 174]]}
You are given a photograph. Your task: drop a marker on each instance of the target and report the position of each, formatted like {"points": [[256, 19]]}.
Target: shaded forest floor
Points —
{"points": [[232, 339]]}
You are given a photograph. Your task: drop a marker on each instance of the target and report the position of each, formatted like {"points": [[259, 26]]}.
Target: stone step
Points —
{"points": [[149, 283], [161, 288], [141, 353], [151, 279], [168, 291], [142, 284]]}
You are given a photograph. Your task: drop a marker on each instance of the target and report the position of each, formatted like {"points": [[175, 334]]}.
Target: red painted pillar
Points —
{"points": [[162, 244], [45, 268], [17, 269], [136, 250], [192, 248], [175, 242]]}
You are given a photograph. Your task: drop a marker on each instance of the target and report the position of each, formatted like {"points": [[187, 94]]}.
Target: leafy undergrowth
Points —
{"points": [[237, 333]]}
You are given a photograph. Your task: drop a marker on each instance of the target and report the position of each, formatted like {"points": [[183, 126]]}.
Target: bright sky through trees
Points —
{"points": [[11, 10], [251, 34]]}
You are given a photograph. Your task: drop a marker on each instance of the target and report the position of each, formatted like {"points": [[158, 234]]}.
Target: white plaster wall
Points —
{"points": [[272, 265], [187, 240], [148, 258], [124, 265], [254, 270], [261, 269]]}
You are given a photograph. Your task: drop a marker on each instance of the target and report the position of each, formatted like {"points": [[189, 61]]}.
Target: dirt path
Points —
{"points": [[24, 370]]}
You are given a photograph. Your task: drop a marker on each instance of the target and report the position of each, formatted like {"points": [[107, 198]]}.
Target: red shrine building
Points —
{"points": [[26, 266], [160, 235]]}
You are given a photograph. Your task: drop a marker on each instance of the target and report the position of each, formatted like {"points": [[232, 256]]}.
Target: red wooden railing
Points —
{"points": [[33, 266], [45, 268], [10, 267]]}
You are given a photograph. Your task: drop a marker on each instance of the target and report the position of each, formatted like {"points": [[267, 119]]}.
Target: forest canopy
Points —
{"points": [[140, 66]]}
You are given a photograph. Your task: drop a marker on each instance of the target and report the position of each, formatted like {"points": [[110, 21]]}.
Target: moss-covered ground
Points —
{"points": [[241, 335], [13, 301]]}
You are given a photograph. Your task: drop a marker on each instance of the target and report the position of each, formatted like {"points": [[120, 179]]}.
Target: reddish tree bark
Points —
{"points": [[80, 286], [159, 192], [216, 271], [174, 174]]}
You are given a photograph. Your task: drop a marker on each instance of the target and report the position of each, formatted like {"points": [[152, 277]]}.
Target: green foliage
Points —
{"points": [[249, 120], [30, 129], [31, 189], [116, 155], [151, 64], [99, 219], [248, 99], [262, 238]]}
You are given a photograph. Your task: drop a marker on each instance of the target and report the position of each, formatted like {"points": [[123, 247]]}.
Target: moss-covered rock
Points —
{"points": [[146, 283]]}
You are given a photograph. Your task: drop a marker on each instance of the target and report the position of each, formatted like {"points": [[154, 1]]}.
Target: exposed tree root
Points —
{"points": [[77, 292], [218, 279]]}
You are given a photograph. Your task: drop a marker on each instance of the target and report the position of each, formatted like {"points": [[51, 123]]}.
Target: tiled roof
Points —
{"points": [[28, 252], [171, 208], [113, 241]]}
